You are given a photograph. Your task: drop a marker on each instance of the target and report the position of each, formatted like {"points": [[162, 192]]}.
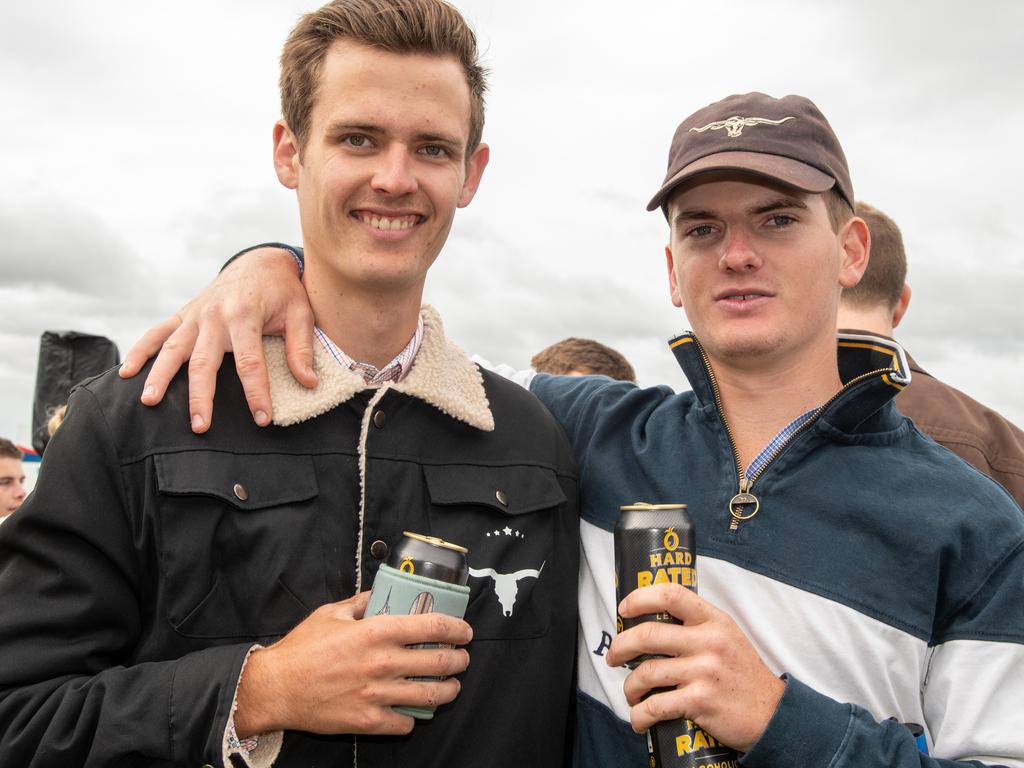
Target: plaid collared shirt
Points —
{"points": [[396, 370], [778, 442]]}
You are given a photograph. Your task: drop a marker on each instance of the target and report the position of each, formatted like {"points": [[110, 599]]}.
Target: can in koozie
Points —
{"points": [[657, 544], [423, 574]]}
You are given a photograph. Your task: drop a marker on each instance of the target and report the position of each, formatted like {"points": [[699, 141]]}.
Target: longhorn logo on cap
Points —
{"points": [[734, 125]]}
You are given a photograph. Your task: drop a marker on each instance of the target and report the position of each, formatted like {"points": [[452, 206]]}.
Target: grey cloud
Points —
{"points": [[50, 242], [225, 221]]}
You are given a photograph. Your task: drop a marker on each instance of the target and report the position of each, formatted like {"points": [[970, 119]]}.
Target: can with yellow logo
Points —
{"points": [[654, 544], [657, 544]]}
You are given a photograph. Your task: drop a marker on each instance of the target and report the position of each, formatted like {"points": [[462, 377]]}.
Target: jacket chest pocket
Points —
{"points": [[240, 545], [513, 522]]}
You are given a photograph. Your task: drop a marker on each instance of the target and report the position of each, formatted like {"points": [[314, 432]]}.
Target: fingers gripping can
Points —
{"points": [[657, 544], [423, 574]]}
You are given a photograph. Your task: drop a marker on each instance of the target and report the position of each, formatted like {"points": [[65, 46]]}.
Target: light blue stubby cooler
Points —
{"points": [[423, 574]]}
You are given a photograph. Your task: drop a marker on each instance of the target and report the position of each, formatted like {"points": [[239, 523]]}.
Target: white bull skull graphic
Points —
{"points": [[506, 585]]}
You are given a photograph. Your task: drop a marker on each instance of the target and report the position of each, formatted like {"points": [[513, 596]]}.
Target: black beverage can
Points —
{"points": [[654, 544], [430, 557], [657, 544]]}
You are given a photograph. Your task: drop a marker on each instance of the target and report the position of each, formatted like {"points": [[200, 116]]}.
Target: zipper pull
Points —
{"points": [[744, 505]]}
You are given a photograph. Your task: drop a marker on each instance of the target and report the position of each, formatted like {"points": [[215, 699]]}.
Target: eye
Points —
{"points": [[356, 140], [434, 150], [701, 230], [780, 220]]}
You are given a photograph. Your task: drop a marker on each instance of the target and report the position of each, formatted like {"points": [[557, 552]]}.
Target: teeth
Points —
{"points": [[385, 224]]}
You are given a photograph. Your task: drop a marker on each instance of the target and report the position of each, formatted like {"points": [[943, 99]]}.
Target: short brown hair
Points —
{"points": [[586, 356], [9, 450], [430, 27], [886, 273], [839, 211]]}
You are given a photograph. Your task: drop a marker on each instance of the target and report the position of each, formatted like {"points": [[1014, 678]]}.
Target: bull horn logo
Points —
{"points": [[506, 585], [734, 125]]}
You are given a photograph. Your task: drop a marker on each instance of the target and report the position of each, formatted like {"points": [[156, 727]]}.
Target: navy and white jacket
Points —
{"points": [[882, 575]]}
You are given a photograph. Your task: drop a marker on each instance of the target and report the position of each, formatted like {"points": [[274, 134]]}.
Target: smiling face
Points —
{"points": [[12, 485], [759, 269], [383, 169]]}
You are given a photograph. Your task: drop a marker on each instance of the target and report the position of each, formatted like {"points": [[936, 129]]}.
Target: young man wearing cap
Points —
{"points": [[173, 599], [854, 576]]}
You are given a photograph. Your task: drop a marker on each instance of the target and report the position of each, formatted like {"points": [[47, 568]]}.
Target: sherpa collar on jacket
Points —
{"points": [[442, 375]]}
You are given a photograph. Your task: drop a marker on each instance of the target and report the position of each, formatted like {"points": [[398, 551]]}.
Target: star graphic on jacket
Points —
{"points": [[508, 531]]}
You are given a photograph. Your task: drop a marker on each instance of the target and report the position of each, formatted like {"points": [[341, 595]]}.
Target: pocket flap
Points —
{"points": [[245, 481], [510, 490]]}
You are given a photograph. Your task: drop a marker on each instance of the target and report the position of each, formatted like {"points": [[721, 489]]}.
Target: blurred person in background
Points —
{"points": [[583, 357], [971, 430], [56, 419], [12, 478]]}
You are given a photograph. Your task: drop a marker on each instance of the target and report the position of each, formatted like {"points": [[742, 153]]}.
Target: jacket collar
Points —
{"points": [[874, 367], [441, 375], [911, 362]]}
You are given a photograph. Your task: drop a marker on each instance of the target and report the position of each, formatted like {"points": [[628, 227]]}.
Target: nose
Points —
{"points": [[20, 493], [395, 174], [739, 254]]}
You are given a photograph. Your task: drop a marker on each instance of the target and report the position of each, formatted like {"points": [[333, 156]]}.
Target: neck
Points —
{"points": [[370, 326], [758, 401], [874, 319]]}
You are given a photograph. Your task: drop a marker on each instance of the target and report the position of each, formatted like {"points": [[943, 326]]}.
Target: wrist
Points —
{"points": [[297, 255], [256, 698]]}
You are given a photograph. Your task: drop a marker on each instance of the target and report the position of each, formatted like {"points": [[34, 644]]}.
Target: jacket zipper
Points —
{"points": [[744, 505]]}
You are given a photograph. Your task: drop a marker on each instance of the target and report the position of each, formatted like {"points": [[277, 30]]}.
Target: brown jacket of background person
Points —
{"points": [[973, 431]]}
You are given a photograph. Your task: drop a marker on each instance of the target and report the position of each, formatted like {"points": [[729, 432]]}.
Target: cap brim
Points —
{"points": [[785, 170]]}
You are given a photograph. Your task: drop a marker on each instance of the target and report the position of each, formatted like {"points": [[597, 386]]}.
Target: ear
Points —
{"points": [[901, 305], [286, 155], [474, 172], [673, 284], [855, 240]]}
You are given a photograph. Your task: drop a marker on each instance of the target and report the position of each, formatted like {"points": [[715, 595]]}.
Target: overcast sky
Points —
{"points": [[136, 158]]}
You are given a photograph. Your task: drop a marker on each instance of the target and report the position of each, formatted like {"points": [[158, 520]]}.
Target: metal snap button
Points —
{"points": [[379, 549], [240, 493], [378, 419], [502, 498]]}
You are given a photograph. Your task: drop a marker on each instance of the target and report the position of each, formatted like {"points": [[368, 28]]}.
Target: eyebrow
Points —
{"points": [[778, 203], [692, 214]]}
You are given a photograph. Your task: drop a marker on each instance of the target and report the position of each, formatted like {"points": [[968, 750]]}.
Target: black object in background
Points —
{"points": [[65, 359]]}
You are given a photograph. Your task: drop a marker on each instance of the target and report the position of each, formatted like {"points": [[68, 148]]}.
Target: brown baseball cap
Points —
{"points": [[786, 139]]}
